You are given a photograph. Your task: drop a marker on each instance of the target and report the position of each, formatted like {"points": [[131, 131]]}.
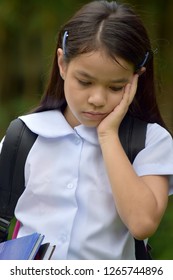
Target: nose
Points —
{"points": [[97, 97]]}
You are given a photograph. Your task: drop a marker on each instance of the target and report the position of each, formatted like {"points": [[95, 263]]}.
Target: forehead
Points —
{"points": [[99, 65]]}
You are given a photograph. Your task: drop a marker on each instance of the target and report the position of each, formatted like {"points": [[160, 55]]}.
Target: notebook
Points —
{"points": [[28, 247]]}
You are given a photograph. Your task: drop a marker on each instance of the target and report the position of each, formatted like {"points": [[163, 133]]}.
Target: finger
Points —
{"points": [[131, 88], [134, 86], [129, 93], [124, 103]]}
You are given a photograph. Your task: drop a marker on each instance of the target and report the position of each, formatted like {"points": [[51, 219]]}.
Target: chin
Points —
{"points": [[89, 123], [86, 122]]}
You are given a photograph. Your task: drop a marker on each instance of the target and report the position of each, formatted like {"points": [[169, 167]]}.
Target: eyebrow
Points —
{"points": [[86, 75]]}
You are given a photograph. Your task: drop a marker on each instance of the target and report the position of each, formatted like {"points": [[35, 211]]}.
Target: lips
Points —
{"points": [[94, 115]]}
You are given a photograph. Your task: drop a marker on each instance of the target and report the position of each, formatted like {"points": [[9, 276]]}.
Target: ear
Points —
{"points": [[141, 71], [61, 63]]}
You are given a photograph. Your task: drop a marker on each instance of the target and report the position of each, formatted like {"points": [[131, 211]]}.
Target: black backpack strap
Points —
{"points": [[16, 146], [132, 135]]}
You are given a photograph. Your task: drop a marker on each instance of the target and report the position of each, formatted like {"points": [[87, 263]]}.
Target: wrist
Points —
{"points": [[108, 137]]}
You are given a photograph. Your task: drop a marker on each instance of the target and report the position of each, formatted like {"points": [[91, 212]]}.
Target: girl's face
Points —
{"points": [[93, 86]]}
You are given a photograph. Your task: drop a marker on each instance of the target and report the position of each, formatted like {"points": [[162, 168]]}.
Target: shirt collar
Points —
{"points": [[52, 124], [87, 133]]}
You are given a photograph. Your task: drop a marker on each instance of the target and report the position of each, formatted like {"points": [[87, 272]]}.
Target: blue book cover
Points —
{"points": [[22, 248]]}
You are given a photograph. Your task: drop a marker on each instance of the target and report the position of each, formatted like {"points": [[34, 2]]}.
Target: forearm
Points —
{"points": [[135, 201]]}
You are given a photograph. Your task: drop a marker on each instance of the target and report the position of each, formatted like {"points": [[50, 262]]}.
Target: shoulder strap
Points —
{"points": [[132, 135], [16, 146]]}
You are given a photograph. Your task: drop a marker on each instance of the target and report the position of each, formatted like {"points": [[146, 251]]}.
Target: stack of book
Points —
{"points": [[29, 247]]}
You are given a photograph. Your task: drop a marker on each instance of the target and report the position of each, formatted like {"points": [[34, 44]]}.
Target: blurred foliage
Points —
{"points": [[28, 32], [161, 241]]}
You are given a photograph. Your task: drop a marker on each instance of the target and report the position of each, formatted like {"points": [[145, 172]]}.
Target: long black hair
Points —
{"points": [[119, 31]]}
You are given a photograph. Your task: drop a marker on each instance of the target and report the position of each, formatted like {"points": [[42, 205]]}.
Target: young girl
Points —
{"points": [[81, 191]]}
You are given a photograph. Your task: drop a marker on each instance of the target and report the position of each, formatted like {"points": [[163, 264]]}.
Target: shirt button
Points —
{"points": [[70, 186]]}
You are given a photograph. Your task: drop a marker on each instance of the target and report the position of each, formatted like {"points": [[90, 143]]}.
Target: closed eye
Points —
{"points": [[117, 88], [84, 83]]}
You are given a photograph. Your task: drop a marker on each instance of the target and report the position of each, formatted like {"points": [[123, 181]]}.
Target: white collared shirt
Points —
{"points": [[68, 196]]}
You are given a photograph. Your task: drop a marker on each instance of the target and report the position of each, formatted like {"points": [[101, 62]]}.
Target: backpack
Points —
{"points": [[19, 140]]}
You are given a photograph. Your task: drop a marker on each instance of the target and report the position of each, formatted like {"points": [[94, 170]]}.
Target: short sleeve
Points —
{"points": [[157, 156]]}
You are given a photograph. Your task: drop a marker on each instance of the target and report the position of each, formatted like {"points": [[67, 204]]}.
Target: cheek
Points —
{"points": [[73, 97]]}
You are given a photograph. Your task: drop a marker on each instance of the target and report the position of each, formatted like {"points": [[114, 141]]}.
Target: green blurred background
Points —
{"points": [[28, 32]]}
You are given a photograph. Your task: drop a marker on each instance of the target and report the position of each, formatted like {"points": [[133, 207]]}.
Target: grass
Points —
{"points": [[162, 240]]}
